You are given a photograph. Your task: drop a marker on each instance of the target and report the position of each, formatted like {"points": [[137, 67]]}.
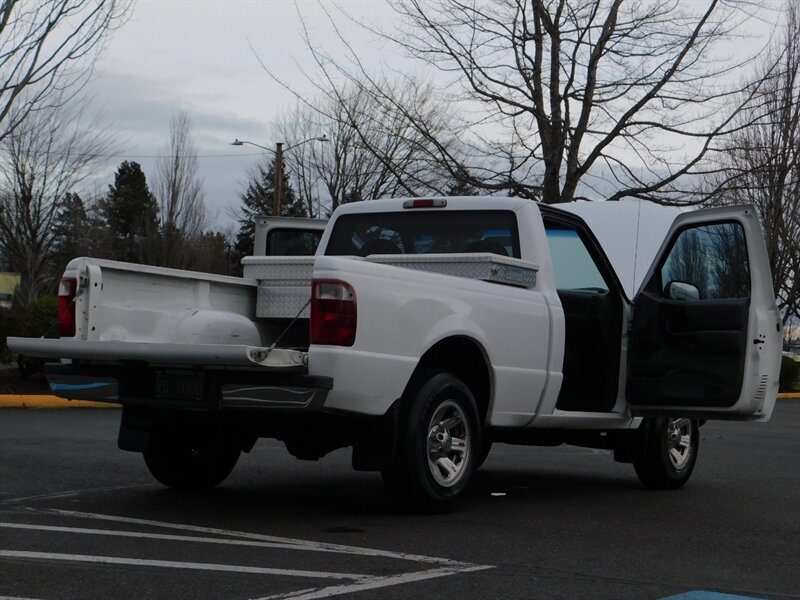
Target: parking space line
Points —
{"points": [[353, 582], [294, 543], [170, 564], [152, 536], [375, 583], [80, 492]]}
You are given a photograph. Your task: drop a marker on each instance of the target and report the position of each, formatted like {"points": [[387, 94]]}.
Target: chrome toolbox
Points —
{"points": [[284, 284], [484, 266]]}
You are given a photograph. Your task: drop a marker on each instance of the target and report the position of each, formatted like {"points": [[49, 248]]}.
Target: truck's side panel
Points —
{"points": [[511, 325]]}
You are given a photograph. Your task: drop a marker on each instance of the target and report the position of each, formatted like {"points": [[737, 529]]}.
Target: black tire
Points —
{"points": [[430, 473], [191, 465], [671, 449]]}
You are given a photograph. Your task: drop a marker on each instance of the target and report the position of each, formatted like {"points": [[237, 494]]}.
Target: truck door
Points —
{"points": [[705, 337]]}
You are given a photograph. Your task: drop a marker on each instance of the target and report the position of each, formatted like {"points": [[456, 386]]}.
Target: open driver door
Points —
{"points": [[705, 337]]}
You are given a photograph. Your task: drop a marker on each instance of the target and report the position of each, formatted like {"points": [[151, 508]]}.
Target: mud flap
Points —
{"points": [[634, 445], [135, 429], [375, 449]]}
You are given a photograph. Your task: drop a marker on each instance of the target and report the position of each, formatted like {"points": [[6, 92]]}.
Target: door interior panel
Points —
{"points": [[687, 353], [716, 315]]}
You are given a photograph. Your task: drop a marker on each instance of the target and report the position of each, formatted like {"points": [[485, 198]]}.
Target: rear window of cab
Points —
{"points": [[425, 232]]}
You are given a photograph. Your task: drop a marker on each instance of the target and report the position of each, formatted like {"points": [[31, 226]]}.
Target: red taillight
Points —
{"points": [[425, 203], [333, 313], [66, 306]]}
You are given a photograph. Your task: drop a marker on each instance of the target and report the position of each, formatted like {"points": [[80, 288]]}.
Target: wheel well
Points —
{"points": [[465, 359]]}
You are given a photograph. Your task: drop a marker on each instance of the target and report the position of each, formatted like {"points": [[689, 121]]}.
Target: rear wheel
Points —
{"points": [[184, 464], [440, 441], [671, 449]]}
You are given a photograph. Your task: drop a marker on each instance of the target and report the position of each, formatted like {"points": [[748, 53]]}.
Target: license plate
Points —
{"points": [[179, 385]]}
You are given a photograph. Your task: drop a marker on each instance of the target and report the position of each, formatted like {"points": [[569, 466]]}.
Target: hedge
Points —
{"points": [[37, 319]]}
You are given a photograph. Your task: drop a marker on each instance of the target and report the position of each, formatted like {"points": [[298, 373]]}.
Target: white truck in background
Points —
{"points": [[422, 331]]}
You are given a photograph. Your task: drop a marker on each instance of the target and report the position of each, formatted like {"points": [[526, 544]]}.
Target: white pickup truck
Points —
{"points": [[424, 330]]}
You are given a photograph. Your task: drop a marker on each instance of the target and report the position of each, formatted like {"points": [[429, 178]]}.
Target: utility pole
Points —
{"points": [[278, 179], [276, 204]]}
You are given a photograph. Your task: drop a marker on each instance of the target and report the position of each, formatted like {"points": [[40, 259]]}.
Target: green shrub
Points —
{"points": [[790, 374], [37, 319], [6, 319]]}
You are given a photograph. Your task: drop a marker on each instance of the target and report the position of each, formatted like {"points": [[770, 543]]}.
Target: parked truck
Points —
{"points": [[423, 331]]}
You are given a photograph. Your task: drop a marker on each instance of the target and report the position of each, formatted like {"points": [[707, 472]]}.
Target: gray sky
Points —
{"points": [[196, 56]]}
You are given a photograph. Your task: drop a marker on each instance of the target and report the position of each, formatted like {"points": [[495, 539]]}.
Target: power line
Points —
{"points": [[237, 155]]}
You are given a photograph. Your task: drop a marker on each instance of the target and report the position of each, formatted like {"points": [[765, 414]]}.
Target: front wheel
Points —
{"points": [[671, 449], [191, 464], [440, 441]]}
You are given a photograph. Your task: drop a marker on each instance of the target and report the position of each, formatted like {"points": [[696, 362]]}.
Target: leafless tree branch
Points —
{"points": [[43, 159], [47, 51]]}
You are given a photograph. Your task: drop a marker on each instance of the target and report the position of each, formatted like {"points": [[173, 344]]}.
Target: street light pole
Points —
{"points": [[278, 183]]}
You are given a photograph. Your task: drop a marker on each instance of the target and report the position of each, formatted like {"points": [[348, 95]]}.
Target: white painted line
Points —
{"points": [[374, 583], [294, 543], [169, 564], [153, 536], [444, 567], [73, 493]]}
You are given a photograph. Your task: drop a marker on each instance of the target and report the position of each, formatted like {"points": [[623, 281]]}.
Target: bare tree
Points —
{"points": [[48, 155], [373, 151], [762, 163], [179, 189], [560, 99], [47, 51]]}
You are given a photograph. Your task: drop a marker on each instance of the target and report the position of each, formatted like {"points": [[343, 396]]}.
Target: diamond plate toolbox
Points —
{"points": [[484, 266], [284, 284]]}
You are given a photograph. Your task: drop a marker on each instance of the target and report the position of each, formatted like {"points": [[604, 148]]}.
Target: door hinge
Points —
{"points": [[83, 278]]}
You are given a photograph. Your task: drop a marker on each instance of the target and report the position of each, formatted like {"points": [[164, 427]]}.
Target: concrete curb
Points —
{"points": [[47, 401]]}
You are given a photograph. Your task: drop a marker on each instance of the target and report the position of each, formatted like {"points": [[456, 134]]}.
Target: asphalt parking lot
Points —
{"points": [[81, 519]]}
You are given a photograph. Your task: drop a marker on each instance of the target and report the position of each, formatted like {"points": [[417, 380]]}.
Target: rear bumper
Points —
{"points": [[199, 389]]}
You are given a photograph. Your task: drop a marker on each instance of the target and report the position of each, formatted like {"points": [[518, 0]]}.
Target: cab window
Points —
{"points": [[573, 265], [293, 242]]}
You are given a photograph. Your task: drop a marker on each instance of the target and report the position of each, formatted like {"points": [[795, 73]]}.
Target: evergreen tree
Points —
{"points": [[212, 253], [258, 200], [70, 230], [130, 212]]}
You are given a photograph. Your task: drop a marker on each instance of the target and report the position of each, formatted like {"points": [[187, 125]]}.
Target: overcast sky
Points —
{"points": [[196, 56], [200, 57]]}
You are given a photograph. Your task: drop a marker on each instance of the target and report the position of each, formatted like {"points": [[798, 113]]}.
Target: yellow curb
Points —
{"points": [[34, 401], [47, 401]]}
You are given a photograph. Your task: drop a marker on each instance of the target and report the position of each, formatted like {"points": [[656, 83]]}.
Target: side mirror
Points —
{"points": [[683, 291]]}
